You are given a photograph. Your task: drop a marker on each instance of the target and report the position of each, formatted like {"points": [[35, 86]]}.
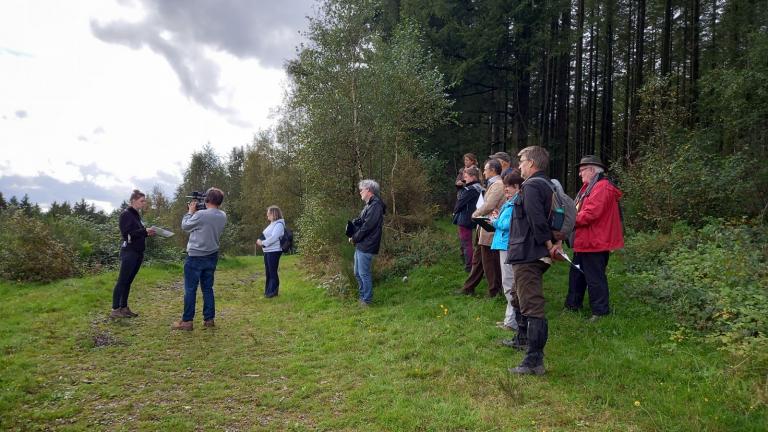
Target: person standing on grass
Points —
{"points": [[598, 231], [500, 242], [270, 244], [462, 213], [367, 237], [484, 259], [133, 234], [204, 228], [531, 250]]}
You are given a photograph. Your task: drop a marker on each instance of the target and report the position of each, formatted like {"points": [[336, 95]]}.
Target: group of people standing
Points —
{"points": [[519, 245], [205, 227]]}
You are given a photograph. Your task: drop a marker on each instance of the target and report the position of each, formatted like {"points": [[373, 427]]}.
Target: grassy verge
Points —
{"points": [[420, 359]]}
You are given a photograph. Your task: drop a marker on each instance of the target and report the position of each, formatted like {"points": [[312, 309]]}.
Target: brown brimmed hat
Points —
{"points": [[591, 160]]}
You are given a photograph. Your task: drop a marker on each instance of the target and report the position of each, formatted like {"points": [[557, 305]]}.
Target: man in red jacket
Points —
{"points": [[598, 231]]}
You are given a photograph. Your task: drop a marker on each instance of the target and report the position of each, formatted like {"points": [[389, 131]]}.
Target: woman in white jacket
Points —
{"points": [[270, 244]]}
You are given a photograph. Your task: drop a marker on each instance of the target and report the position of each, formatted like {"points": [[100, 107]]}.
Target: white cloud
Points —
{"points": [[72, 101]]}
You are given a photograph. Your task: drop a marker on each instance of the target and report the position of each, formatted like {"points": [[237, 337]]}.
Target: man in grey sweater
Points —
{"points": [[204, 228]]}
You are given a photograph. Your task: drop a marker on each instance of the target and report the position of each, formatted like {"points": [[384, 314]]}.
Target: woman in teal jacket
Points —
{"points": [[502, 218]]}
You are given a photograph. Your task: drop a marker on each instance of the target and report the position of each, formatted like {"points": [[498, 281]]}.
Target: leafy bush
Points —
{"points": [[716, 283], [30, 252], [401, 252], [686, 184]]}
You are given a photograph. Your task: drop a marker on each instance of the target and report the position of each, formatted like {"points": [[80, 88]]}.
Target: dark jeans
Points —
{"points": [[199, 270], [529, 278], [130, 262], [593, 280], [271, 263]]}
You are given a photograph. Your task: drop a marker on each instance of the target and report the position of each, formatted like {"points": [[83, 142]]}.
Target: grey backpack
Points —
{"points": [[562, 214]]}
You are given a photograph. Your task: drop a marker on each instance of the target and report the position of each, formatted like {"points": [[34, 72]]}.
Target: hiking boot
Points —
{"points": [[527, 370], [515, 343], [129, 313], [118, 313], [209, 323], [462, 292], [363, 304], [182, 325], [533, 363]]}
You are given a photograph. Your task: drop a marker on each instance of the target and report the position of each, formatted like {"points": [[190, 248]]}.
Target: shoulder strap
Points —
{"points": [[551, 187]]}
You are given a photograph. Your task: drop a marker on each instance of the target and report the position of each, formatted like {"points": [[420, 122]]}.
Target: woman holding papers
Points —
{"points": [[133, 234]]}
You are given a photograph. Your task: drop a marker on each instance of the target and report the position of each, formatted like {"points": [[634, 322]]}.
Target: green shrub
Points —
{"points": [[403, 252], [715, 283], [30, 252]]}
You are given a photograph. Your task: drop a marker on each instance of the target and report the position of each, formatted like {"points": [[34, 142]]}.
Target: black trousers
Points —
{"points": [[130, 262], [271, 263], [593, 281]]}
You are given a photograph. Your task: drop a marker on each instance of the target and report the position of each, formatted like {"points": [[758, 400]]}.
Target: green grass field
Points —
{"points": [[420, 359]]}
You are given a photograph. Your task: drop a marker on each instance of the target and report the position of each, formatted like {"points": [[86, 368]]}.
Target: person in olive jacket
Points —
{"points": [[133, 234], [367, 237]]}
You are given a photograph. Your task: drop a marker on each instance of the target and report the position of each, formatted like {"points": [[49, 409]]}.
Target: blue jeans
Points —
{"points": [[199, 270], [272, 284], [363, 275]]}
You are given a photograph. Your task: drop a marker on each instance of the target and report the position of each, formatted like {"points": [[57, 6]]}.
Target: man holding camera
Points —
{"points": [[204, 228]]}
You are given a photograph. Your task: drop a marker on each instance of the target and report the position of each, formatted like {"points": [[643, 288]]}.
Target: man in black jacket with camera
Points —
{"points": [[367, 237], [531, 250]]}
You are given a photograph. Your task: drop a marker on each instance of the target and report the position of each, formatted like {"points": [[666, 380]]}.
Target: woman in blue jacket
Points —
{"points": [[502, 218], [270, 244]]}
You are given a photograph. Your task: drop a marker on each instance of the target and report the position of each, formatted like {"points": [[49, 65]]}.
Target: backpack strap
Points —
{"points": [[551, 187]]}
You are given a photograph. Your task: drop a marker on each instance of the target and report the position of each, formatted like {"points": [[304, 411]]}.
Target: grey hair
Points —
{"points": [[369, 184], [598, 169], [536, 154]]}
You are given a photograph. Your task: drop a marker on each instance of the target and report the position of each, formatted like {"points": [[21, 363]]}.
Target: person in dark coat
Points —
{"points": [[367, 237], [531, 250], [466, 204], [133, 234]]}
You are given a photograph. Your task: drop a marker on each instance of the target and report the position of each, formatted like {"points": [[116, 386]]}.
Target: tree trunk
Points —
{"points": [[666, 40], [606, 123], [579, 85], [695, 40], [638, 79]]}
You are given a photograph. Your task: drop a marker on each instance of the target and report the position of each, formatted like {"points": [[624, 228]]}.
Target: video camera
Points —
{"points": [[200, 198]]}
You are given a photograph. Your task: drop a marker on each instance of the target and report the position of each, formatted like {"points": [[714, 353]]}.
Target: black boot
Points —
{"points": [[520, 341], [533, 363]]}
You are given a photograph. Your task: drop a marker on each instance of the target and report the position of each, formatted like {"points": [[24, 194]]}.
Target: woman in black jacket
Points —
{"points": [[132, 246], [462, 213]]}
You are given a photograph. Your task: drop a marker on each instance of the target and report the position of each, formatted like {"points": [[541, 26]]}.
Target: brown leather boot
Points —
{"points": [[182, 325], [209, 323], [118, 313], [129, 313]]}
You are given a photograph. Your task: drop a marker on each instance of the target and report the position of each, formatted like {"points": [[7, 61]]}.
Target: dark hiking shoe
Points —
{"points": [[528, 370], [182, 325], [462, 292], [209, 323], [118, 313], [514, 343], [129, 313]]}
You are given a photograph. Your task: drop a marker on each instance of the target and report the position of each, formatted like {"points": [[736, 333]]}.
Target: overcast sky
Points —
{"points": [[98, 97]]}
